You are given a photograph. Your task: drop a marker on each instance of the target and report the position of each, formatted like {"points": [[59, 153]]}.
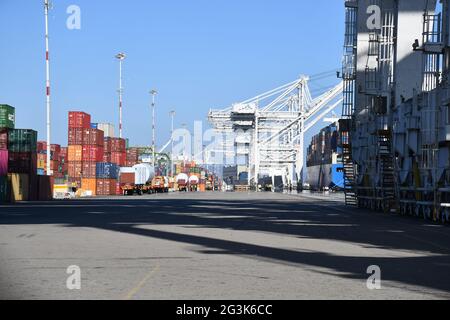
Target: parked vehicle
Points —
{"points": [[182, 180]]}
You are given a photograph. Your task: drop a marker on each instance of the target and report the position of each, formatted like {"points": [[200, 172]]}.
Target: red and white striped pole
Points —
{"points": [[120, 57], [47, 61]]}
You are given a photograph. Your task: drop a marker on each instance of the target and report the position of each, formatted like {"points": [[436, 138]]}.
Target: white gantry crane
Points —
{"points": [[269, 129]]}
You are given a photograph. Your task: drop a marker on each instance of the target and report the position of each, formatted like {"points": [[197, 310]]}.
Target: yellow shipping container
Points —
{"points": [[75, 153], [20, 185], [89, 185], [41, 164]]}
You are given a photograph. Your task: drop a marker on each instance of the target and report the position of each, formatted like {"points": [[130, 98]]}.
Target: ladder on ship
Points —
{"points": [[387, 170], [349, 175]]}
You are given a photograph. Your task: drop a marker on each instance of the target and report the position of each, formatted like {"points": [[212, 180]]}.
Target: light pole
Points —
{"points": [[172, 116], [47, 64], [153, 93], [120, 57]]}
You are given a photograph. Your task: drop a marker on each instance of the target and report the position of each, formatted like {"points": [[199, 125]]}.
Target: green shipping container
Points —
{"points": [[7, 116], [4, 189], [22, 140]]}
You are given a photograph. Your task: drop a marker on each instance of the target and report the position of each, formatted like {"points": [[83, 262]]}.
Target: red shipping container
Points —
{"points": [[89, 170], [74, 169], [41, 147], [118, 145], [107, 157], [55, 148], [106, 187], [79, 120], [127, 178], [64, 152], [93, 137], [115, 145], [93, 153], [75, 136], [118, 158], [107, 145], [132, 154], [3, 139], [118, 189], [54, 166]]}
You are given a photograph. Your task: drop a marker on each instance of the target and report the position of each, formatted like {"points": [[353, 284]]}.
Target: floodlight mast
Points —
{"points": [[47, 63], [120, 57], [154, 93]]}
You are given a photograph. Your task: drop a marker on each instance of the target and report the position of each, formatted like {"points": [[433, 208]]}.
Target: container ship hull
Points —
{"points": [[327, 176]]}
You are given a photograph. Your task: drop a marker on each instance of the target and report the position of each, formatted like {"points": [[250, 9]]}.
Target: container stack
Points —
{"points": [[107, 179], [18, 162], [92, 153], [115, 151], [78, 123], [58, 157]]}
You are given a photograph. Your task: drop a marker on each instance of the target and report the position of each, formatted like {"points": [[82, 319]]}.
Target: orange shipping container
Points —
{"points": [[89, 185], [75, 153]]}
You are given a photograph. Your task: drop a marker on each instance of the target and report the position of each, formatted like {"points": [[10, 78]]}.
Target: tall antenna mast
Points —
{"points": [[47, 62], [153, 93], [120, 57]]}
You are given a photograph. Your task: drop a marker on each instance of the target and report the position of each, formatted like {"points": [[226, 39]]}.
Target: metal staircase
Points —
{"points": [[348, 104]]}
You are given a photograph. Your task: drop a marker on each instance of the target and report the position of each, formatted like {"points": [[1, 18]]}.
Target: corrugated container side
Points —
{"points": [[75, 153], [41, 161], [45, 188], [118, 158], [7, 116], [22, 162], [107, 170], [106, 187], [42, 147], [3, 139], [4, 189], [107, 128], [76, 136], [79, 120], [127, 178], [93, 153], [89, 170], [20, 185], [89, 185], [4, 162], [22, 140], [93, 137], [74, 169]]}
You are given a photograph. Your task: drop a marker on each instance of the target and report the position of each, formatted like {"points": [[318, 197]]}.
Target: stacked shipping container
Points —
{"points": [[18, 162], [115, 151], [58, 159], [78, 123], [94, 159]]}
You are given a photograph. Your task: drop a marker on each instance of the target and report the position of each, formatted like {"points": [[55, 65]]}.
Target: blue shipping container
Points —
{"points": [[94, 125], [107, 170]]}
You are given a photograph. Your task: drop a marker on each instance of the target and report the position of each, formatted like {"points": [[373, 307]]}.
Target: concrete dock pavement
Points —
{"points": [[218, 246]]}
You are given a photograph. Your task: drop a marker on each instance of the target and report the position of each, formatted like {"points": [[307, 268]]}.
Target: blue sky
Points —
{"points": [[199, 54]]}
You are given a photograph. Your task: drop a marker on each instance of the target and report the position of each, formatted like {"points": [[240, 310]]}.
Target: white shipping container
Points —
{"points": [[144, 173], [107, 128]]}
